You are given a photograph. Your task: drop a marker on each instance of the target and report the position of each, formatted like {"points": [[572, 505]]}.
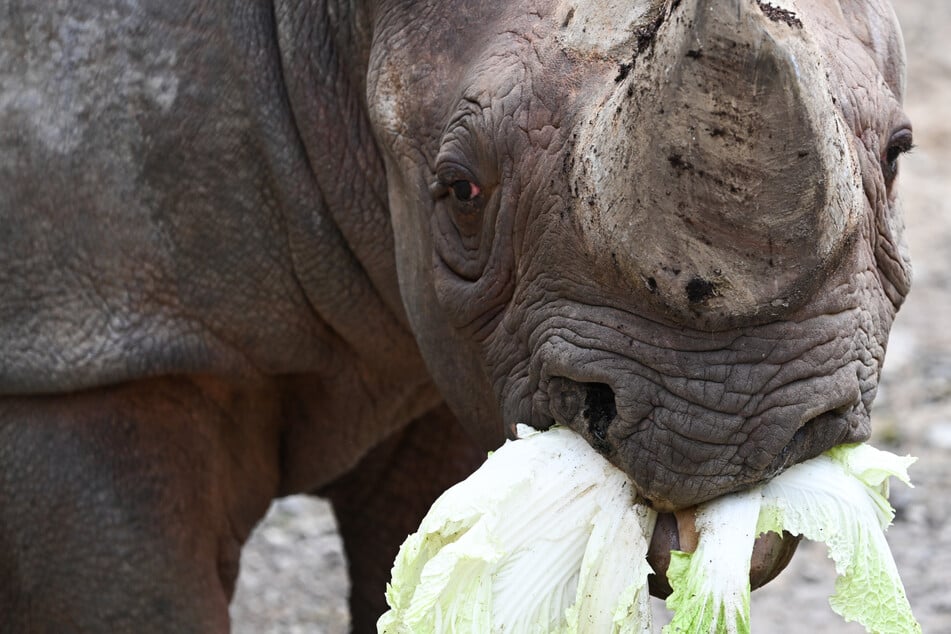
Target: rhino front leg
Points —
{"points": [[384, 498], [123, 509]]}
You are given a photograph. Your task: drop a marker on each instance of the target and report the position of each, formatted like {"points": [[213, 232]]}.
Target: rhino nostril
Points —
{"points": [[583, 406], [847, 422], [599, 411]]}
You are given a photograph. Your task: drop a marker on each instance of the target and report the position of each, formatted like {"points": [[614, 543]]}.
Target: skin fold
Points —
{"points": [[253, 249]]}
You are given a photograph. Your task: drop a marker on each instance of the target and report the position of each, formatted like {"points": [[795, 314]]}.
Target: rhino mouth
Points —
{"points": [[594, 404], [593, 409], [626, 432], [674, 531], [690, 417]]}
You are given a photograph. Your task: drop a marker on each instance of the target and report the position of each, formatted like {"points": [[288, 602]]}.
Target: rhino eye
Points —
{"points": [[460, 230], [464, 190], [900, 143]]}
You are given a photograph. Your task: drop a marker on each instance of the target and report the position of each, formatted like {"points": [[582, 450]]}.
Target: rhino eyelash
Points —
{"points": [[900, 143], [448, 176], [894, 151]]}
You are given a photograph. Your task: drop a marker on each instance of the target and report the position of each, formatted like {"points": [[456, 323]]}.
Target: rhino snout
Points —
{"points": [[680, 452]]}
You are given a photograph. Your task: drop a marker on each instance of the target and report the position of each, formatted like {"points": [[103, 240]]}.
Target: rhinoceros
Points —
{"points": [[249, 249]]}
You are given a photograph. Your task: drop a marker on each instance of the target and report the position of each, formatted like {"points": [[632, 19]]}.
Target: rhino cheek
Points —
{"points": [[454, 361]]}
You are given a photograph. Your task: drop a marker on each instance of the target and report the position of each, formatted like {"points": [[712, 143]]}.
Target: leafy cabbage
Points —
{"points": [[711, 586], [544, 538], [547, 538], [839, 498]]}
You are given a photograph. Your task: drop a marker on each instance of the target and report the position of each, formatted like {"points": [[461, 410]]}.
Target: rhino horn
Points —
{"points": [[719, 169]]}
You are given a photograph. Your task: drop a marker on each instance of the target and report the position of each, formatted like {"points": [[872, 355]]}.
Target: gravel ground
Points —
{"points": [[293, 577]]}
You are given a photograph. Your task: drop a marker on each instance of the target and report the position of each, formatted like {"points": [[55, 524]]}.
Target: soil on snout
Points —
{"points": [[779, 15], [293, 572]]}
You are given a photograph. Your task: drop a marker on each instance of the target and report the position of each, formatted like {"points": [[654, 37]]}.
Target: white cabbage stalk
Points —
{"points": [[544, 538], [839, 498], [717, 596]]}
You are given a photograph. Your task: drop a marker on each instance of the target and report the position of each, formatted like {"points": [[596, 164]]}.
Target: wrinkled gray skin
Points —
{"points": [[238, 259]]}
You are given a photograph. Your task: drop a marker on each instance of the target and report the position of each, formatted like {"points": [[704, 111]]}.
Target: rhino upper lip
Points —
{"points": [[705, 430]]}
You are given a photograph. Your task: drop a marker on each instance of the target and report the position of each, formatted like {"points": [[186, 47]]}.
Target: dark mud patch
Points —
{"points": [[679, 163], [700, 290], [623, 71], [568, 18], [779, 15], [644, 39]]}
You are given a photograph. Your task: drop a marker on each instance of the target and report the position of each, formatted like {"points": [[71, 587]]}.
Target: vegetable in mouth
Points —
{"points": [[549, 537]]}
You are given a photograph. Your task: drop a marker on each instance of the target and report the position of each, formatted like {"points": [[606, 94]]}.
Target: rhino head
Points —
{"points": [[669, 225]]}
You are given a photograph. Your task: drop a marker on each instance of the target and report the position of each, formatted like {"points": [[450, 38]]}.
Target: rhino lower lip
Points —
{"points": [[771, 554]]}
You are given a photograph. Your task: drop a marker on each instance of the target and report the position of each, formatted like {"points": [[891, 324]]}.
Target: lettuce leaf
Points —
{"points": [[544, 538], [839, 498], [711, 586]]}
